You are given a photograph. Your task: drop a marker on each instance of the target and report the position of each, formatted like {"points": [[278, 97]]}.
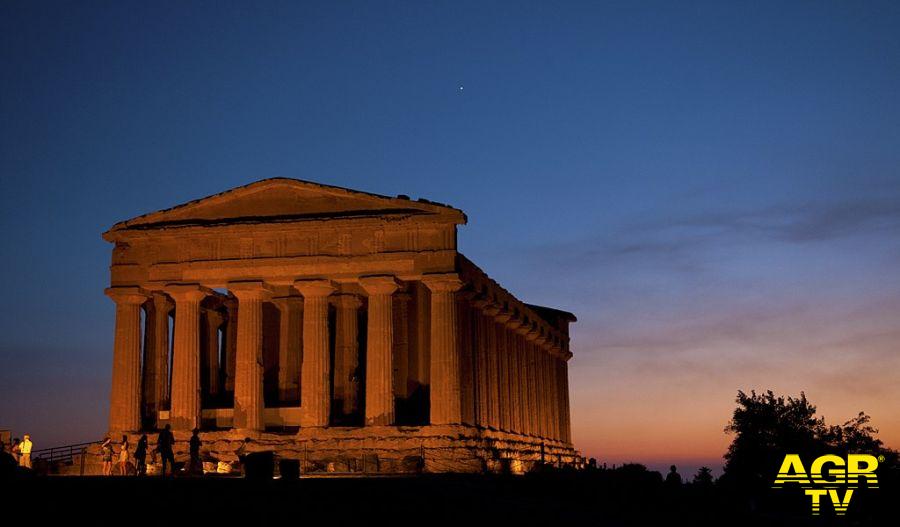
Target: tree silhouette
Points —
{"points": [[703, 477], [766, 427]]}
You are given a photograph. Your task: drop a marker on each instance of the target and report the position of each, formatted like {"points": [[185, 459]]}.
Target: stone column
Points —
{"points": [[567, 417], [523, 382], [379, 352], [185, 412], [315, 382], [512, 348], [545, 380], [500, 320], [346, 353], [445, 386], [214, 320], [493, 365], [552, 397], [540, 388], [290, 338], [248, 375], [125, 395], [401, 344], [481, 367], [231, 306], [528, 396], [156, 356], [420, 358]]}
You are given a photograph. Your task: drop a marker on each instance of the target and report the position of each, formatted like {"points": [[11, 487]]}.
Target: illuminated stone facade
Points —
{"points": [[331, 324]]}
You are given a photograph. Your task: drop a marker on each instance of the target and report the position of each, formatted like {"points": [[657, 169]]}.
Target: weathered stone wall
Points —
{"points": [[379, 450]]}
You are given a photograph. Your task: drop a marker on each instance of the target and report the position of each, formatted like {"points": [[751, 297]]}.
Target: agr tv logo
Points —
{"points": [[828, 474]]}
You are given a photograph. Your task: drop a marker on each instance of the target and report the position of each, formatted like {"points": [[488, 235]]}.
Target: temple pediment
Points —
{"points": [[283, 199]]}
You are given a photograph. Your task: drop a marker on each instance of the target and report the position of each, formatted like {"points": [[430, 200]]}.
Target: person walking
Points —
{"points": [[25, 451], [140, 456], [164, 444], [106, 454]]}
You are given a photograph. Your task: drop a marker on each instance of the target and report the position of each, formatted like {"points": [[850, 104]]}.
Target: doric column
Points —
{"points": [[540, 389], [211, 370], [567, 417], [500, 320], [554, 407], [346, 353], [545, 378], [156, 356], [401, 344], [380, 350], [420, 357], [445, 386], [231, 307], [481, 366], [125, 396], [493, 365], [528, 396], [315, 385], [248, 374], [185, 411], [523, 383], [290, 338], [551, 396], [512, 348]]}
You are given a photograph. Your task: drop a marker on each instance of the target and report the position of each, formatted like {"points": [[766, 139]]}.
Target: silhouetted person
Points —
{"points": [[15, 449], [164, 444], [140, 455], [106, 454], [8, 463], [196, 465], [124, 456], [673, 478]]}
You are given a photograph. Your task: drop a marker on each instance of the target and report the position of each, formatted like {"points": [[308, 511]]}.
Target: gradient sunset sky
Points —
{"points": [[713, 188]]}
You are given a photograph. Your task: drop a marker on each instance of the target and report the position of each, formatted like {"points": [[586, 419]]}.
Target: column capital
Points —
{"points": [[161, 301], [127, 295], [533, 333], [250, 290], [481, 301], [314, 288], [287, 302], [346, 300], [503, 316], [514, 323], [379, 285], [442, 282], [490, 309], [187, 292], [524, 329]]}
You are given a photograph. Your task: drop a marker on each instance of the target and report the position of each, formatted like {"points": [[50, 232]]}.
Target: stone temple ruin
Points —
{"points": [[333, 326]]}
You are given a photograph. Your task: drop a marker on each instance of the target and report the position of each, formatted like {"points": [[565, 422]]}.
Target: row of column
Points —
{"points": [[521, 378], [315, 384]]}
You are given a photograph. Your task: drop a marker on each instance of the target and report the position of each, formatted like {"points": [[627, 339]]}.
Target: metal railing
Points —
{"points": [[64, 455]]}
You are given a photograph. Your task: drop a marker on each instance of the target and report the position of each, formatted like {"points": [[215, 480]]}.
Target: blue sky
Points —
{"points": [[712, 187]]}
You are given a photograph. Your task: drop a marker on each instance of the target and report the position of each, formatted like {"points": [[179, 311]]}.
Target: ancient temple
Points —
{"points": [[330, 325]]}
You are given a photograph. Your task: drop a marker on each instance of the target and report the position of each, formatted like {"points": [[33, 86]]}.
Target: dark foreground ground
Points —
{"points": [[474, 500]]}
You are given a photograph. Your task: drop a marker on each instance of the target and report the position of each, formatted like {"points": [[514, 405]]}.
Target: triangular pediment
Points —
{"points": [[283, 199]]}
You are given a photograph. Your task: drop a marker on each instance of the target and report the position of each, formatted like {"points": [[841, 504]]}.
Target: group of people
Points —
{"points": [[19, 454], [128, 463]]}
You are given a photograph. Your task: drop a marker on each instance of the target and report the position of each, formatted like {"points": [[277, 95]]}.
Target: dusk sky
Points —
{"points": [[713, 188]]}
